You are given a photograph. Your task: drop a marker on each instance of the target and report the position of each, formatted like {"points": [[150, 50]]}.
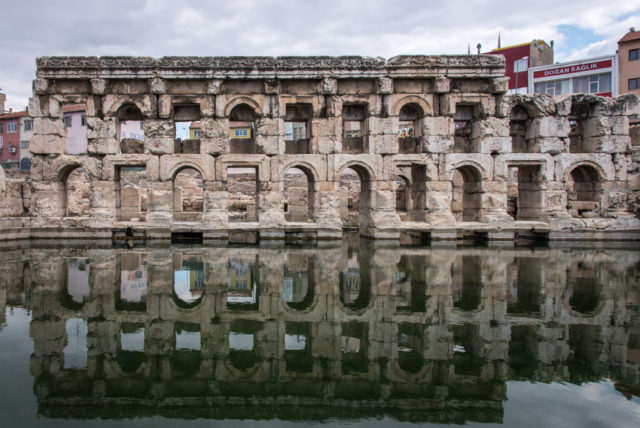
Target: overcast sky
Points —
{"points": [[157, 28]]}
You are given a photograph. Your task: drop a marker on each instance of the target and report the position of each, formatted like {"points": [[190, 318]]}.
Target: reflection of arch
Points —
{"points": [[188, 267], [310, 297], [584, 293], [417, 102], [243, 100], [78, 278]]}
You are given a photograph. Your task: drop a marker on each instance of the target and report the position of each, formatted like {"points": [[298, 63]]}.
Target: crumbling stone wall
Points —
{"points": [[465, 133]]}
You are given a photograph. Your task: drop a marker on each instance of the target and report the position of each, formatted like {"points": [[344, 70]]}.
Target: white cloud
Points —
{"points": [[280, 27]]}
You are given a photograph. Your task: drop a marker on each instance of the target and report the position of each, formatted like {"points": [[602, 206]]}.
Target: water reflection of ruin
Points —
{"points": [[350, 331]]}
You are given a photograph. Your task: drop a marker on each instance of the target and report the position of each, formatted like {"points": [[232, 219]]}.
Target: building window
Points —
{"points": [[592, 84], [557, 87], [521, 64], [196, 133], [24, 144], [634, 83], [28, 124], [83, 120], [12, 127], [634, 54], [1, 127], [66, 119], [240, 133]]}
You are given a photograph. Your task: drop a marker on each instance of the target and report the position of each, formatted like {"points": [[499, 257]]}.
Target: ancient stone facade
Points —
{"points": [[437, 147]]}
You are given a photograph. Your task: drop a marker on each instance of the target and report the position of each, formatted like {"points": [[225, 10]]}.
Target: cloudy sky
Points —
{"points": [[580, 29]]}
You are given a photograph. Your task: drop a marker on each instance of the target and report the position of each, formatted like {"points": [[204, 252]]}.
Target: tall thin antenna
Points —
{"points": [[499, 40]]}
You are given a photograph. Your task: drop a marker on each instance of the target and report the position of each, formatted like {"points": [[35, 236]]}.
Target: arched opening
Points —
{"points": [[584, 192], [188, 279], [463, 119], [297, 281], [354, 197], [77, 187], [187, 125], [297, 129], [242, 130], [188, 195], [466, 201], [132, 193], [518, 126], [466, 274], [354, 128], [130, 128], [410, 128], [75, 353], [299, 195]]}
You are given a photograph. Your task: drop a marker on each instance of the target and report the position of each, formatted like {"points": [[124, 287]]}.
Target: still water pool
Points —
{"points": [[358, 334]]}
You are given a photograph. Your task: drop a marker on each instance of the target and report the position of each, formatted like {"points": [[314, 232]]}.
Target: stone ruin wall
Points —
{"points": [[474, 159]]}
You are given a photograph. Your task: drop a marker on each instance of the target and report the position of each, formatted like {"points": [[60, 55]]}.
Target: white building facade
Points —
{"points": [[597, 76]]}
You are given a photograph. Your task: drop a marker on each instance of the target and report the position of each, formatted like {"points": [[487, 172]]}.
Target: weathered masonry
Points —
{"points": [[307, 146]]}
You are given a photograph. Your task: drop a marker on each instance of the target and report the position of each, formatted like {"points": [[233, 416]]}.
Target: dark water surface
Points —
{"points": [[358, 334]]}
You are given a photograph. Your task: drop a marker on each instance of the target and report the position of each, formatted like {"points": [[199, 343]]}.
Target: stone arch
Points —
{"points": [[312, 180], [243, 100], [76, 189], [188, 194], [366, 176], [129, 110], [466, 200], [242, 126], [424, 106], [186, 164], [584, 189], [129, 117]]}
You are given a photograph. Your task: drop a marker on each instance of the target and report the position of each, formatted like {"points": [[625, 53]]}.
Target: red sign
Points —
{"points": [[578, 68]]}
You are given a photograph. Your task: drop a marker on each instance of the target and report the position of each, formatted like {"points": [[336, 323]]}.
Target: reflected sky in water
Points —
{"points": [[350, 335]]}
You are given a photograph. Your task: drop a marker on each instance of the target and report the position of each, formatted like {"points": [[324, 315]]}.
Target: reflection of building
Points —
{"points": [[242, 288], [519, 58], [78, 279], [133, 282], [132, 129], [294, 285], [598, 76]]}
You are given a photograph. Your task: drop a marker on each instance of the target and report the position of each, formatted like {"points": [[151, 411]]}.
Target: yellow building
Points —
{"points": [[194, 130], [240, 130]]}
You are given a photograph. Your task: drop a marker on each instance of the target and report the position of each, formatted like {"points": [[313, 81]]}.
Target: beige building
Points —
{"points": [[629, 63]]}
